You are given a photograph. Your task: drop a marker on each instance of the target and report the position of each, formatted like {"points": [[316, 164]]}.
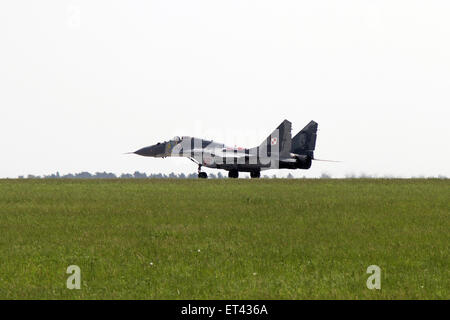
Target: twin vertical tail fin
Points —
{"points": [[304, 142]]}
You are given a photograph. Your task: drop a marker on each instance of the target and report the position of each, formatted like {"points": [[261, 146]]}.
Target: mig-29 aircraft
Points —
{"points": [[277, 151]]}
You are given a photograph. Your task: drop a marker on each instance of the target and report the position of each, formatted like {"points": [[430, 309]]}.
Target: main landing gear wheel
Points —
{"points": [[255, 174], [233, 174], [201, 175]]}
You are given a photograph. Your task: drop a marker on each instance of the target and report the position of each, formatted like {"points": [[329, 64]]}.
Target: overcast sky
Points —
{"points": [[82, 82]]}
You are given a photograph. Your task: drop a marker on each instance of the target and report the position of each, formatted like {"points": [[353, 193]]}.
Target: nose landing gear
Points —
{"points": [[201, 175]]}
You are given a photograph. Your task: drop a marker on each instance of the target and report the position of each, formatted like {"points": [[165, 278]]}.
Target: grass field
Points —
{"points": [[224, 239]]}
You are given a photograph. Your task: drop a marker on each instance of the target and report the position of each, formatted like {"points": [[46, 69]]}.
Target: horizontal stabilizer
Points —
{"points": [[327, 160]]}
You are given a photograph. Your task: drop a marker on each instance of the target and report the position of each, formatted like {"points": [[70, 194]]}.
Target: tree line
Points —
{"points": [[110, 175], [135, 175], [172, 175]]}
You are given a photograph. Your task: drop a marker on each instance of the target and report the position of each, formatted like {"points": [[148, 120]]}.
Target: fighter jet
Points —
{"points": [[277, 151]]}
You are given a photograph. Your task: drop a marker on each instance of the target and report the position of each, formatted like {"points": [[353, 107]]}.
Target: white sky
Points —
{"points": [[82, 82]]}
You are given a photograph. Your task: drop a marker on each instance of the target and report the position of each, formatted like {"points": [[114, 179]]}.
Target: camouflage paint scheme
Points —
{"points": [[277, 151]]}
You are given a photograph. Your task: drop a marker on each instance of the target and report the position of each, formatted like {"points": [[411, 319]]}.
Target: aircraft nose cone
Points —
{"points": [[146, 152], [157, 150]]}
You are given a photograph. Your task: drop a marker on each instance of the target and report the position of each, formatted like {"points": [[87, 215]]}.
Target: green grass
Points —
{"points": [[224, 239]]}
